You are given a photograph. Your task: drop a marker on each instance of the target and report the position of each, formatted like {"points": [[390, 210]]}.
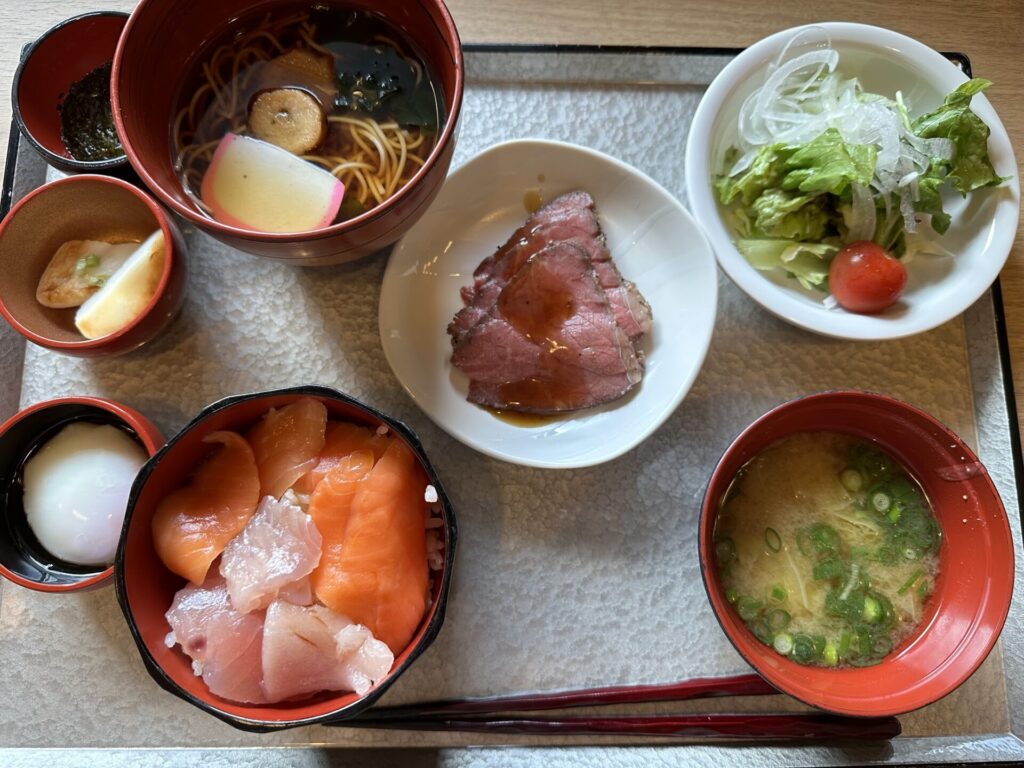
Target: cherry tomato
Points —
{"points": [[866, 279]]}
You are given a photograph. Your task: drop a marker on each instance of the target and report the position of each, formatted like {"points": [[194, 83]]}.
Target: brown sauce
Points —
{"points": [[517, 419], [532, 200], [533, 306]]}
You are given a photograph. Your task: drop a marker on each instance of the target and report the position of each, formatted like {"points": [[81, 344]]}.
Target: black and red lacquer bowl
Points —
{"points": [[23, 560], [145, 588]]}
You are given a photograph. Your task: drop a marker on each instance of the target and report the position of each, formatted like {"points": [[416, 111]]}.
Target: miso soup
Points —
{"points": [[827, 549]]}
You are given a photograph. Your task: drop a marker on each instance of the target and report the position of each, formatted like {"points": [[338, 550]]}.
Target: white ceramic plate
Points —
{"points": [[983, 226], [654, 242]]}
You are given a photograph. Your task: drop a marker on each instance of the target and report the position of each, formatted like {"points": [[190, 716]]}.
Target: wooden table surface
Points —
{"points": [[991, 32]]}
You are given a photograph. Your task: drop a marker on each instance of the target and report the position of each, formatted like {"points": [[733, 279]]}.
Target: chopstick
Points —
{"points": [[798, 726], [489, 715], [697, 688]]}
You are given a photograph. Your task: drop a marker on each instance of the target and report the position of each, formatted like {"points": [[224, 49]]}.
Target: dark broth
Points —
{"points": [[381, 100]]}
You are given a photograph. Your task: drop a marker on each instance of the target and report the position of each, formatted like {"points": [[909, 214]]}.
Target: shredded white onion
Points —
{"points": [[803, 96], [862, 218]]}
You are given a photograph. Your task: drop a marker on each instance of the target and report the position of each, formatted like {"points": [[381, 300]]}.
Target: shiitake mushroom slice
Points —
{"points": [[291, 118]]}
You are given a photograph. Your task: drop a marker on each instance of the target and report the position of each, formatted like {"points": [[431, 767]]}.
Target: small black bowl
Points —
{"points": [[145, 588], [23, 560], [62, 56]]}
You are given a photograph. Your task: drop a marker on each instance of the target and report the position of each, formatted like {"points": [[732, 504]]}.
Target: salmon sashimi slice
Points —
{"points": [[342, 438], [311, 648], [287, 444], [374, 565], [279, 546], [225, 645], [193, 524]]}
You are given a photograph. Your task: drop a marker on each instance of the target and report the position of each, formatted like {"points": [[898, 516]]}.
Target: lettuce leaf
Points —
{"points": [[764, 173], [778, 213], [807, 262], [971, 167], [830, 164]]}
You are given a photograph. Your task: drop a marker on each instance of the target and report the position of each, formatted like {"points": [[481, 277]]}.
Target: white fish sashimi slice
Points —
{"points": [[367, 658], [225, 645], [301, 653], [280, 545]]}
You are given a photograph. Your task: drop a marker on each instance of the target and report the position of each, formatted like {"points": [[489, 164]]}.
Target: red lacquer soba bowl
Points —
{"points": [[971, 597], [145, 89], [146, 588]]}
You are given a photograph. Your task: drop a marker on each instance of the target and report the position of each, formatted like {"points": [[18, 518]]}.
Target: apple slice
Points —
{"points": [[255, 185]]}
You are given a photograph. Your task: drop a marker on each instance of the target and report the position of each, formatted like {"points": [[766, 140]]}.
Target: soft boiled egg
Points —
{"points": [[76, 491]]}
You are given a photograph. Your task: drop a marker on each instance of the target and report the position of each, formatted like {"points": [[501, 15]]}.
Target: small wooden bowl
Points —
{"points": [[86, 207], [63, 55], [966, 611], [22, 559], [146, 589]]}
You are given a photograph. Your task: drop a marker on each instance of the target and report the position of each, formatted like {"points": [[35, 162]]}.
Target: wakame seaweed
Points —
{"points": [[86, 119]]}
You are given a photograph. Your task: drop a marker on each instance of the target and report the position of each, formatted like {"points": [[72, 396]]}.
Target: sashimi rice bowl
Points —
{"points": [[285, 557]]}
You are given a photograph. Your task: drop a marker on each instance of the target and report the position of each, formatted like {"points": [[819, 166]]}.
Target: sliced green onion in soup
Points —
{"points": [[748, 607], [777, 594], [910, 582], [783, 643], [852, 480], [778, 619], [881, 501], [772, 539], [803, 648], [725, 551]]}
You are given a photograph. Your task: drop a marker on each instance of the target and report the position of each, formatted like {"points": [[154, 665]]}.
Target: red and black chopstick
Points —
{"points": [[491, 715]]}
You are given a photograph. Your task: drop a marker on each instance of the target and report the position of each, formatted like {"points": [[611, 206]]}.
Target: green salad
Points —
{"points": [[821, 164]]}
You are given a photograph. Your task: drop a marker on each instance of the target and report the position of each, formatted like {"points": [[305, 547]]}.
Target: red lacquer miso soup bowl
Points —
{"points": [[23, 560], [84, 207], [146, 588], [148, 91], [970, 598]]}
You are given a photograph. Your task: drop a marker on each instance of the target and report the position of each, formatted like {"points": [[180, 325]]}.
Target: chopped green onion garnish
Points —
{"points": [[803, 648], [777, 594], [881, 501], [894, 512], [732, 595], [923, 589], [725, 551], [783, 643], [872, 610], [844, 643], [89, 261], [912, 553], [761, 631], [852, 480], [910, 582], [778, 619], [772, 539], [830, 655], [748, 607]]}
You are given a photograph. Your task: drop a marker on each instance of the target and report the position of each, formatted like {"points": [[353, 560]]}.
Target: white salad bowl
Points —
{"points": [[938, 288], [654, 242]]}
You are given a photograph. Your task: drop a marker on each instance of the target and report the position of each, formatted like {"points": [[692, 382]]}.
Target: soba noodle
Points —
{"points": [[373, 159]]}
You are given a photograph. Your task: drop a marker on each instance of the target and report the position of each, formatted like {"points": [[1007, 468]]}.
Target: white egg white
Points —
{"points": [[76, 491]]}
